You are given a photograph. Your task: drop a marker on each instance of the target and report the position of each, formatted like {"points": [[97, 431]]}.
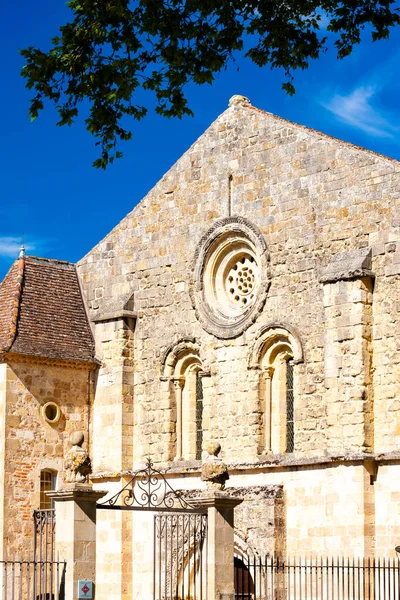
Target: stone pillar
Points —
{"points": [[220, 526], [220, 543], [347, 288], [75, 507], [113, 404]]}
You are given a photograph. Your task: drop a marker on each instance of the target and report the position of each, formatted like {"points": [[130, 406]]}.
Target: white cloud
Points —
{"points": [[356, 109], [10, 246]]}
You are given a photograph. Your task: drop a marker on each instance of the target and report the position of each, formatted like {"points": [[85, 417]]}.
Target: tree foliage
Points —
{"points": [[112, 49]]}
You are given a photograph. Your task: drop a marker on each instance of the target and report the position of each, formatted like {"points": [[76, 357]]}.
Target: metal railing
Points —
{"points": [[25, 579], [44, 530], [271, 578]]}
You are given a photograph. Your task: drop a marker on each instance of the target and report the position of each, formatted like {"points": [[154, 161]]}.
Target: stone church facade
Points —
{"points": [[251, 298]]}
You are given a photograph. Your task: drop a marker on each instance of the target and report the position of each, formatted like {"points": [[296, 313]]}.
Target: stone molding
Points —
{"points": [[269, 332], [347, 265], [243, 492], [219, 320], [176, 350], [171, 354]]}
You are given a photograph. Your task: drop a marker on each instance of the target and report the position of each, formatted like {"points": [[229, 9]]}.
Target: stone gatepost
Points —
{"points": [[220, 526], [75, 505]]}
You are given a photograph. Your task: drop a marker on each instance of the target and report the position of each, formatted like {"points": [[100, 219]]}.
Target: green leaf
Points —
{"points": [[113, 52]]}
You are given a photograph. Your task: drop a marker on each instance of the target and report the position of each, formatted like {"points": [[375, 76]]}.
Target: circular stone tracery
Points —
{"points": [[241, 280], [228, 291]]}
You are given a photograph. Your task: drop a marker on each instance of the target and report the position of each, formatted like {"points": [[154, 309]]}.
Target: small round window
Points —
{"points": [[51, 412]]}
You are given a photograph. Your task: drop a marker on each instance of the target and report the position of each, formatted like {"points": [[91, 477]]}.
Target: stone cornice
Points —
{"points": [[109, 475], [285, 462], [76, 492], [114, 316], [348, 265]]}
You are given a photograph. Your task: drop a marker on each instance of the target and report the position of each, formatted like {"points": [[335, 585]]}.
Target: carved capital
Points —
{"points": [[268, 372], [179, 382]]}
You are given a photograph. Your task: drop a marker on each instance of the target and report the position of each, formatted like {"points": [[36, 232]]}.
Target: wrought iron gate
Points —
{"points": [[180, 534], [180, 556]]}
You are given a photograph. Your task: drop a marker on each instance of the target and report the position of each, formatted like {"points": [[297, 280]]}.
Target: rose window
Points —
{"points": [[228, 290]]}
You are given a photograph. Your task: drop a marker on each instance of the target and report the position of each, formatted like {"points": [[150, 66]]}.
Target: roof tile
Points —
{"points": [[51, 316]]}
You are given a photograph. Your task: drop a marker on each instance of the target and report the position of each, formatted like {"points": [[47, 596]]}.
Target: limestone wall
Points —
{"points": [[320, 510], [3, 398], [32, 444], [324, 508], [312, 197], [387, 501]]}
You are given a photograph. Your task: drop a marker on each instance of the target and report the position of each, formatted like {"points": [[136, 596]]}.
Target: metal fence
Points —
{"points": [[44, 528], [32, 580], [272, 578]]}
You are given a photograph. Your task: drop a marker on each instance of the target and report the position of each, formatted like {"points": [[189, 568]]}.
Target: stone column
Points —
{"points": [[267, 374], [75, 507], [178, 383], [220, 543]]}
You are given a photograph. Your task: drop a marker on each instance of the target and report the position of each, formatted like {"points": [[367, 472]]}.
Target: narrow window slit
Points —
{"points": [[230, 178], [289, 407], [199, 415]]}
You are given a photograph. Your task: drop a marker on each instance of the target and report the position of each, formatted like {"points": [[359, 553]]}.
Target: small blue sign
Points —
{"points": [[85, 589]]}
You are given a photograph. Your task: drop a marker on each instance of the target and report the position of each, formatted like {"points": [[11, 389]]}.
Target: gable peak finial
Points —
{"points": [[22, 248], [238, 99]]}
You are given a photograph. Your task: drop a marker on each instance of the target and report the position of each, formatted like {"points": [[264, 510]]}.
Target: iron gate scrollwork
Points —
{"points": [[147, 490]]}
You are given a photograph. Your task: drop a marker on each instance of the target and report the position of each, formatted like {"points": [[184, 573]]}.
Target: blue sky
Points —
{"points": [[49, 189]]}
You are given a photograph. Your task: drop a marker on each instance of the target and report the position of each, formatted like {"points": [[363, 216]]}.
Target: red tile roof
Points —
{"points": [[42, 311]]}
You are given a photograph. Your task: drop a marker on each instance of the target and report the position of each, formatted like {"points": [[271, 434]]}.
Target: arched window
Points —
{"points": [[48, 481], [275, 354], [184, 368], [189, 410]]}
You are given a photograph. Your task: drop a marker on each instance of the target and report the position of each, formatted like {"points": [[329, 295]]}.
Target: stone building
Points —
{"points": [[252, 298]]}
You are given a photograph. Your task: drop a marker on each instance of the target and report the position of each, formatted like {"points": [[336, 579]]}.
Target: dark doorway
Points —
{"points": [[244, 585]]}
